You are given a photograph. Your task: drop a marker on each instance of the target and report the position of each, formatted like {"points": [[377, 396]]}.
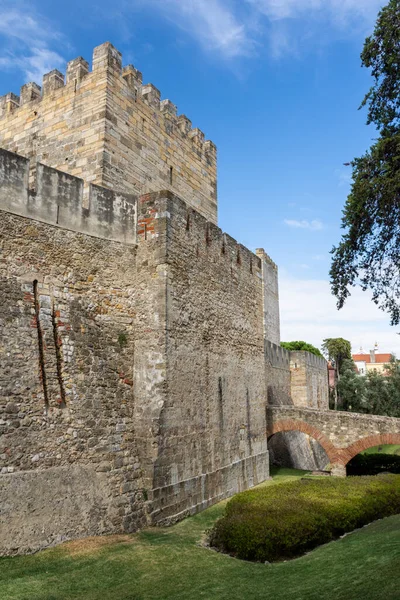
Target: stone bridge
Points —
{"points": [[341, 434]]}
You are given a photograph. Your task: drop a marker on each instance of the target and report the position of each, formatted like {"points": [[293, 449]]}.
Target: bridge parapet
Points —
{"points": [[341, 434]]}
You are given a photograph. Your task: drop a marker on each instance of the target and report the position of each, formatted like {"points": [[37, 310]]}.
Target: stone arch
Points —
{"points": [[303, 427], [367, 442]]}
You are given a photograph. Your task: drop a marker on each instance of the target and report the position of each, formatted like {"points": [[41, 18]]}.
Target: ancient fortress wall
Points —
{"points": [[298, 379], [211, 438], [107, 128], [309, 380], [139, 344], [129, 387]]}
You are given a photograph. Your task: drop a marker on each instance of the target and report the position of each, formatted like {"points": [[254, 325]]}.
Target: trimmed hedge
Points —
{"points": [[372, 464], [284, 521]]}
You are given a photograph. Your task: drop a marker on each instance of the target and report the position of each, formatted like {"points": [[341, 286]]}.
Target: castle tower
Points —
{"points": [[108, 128]]}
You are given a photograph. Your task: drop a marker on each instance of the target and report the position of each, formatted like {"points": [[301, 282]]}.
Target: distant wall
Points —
{"points": [[109, 129], [271, 298], [277, 374], [299, 379], [309, 380]]}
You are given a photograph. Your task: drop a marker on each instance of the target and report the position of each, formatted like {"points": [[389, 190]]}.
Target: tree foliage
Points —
{"points": [[299, 346], [369, 251], [374, 394], [351, 389], [338, 350]]}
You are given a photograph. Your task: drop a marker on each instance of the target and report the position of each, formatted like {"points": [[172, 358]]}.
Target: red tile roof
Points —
{"points": [[379, 358]]}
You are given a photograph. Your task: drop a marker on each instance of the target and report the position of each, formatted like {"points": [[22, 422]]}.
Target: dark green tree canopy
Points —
{"points": [[337, 349], [381, 54], [369, 251], [299, 346]]}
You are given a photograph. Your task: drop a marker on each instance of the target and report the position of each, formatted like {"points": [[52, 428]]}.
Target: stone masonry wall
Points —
{"points": [[272, 331], [130, 388], [69, 317], [79, 328], [309, 380], [292, 378], [108, 128], [210, 436]]}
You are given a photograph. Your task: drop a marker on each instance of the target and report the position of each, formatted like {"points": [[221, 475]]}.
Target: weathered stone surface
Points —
{"points": [[139, 364], [43, 508], [139, 345]]}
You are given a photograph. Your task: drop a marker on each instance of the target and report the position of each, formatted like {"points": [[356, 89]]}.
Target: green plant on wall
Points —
{"points": [[122, 340]]}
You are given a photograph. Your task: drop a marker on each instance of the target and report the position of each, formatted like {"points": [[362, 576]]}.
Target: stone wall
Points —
{"points": [[108, 128], [296, 378], [130, 372], [309, 380], [272, 331], [57, 199], [71, 313], [209, 441]]}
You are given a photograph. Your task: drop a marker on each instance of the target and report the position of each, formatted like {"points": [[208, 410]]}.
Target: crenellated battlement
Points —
{"points": [[202, 239], [106, 59], [108, 128], [65, 201], [58, 199]]}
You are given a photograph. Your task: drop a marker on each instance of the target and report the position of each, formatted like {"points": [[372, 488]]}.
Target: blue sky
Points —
{"points": [[276, 84]]}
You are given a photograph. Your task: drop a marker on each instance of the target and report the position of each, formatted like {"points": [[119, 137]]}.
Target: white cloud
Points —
{"points": [[314, 225], [308, 312], [25, 41], [339, 10], [213, 23], [233, 28]]}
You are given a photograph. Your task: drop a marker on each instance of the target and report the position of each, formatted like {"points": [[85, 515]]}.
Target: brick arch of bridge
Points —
{"points": [[338, 457], [295, 425], [364, 443]]}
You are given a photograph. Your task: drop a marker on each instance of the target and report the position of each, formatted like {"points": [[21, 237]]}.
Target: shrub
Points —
{"points": [[372, 464], [284, 521]]}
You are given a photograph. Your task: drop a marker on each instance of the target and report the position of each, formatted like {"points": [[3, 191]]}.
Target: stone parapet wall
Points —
{"points": [[309, 380], [106, 127], [58, 199]]}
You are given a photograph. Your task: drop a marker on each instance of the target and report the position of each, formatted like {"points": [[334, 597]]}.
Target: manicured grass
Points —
{"points": [[171, 563], [385, 449]]}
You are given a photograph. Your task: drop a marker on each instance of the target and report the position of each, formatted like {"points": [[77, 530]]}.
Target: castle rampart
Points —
{"points": [[139, 344], [109, 129], [129, 383]]}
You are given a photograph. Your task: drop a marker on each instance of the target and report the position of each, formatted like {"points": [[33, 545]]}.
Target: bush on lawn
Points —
{"points": [[284, 521], [372, 464]]}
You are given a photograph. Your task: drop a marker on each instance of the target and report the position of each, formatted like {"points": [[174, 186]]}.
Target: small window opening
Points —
{"points": [[171, 175]]}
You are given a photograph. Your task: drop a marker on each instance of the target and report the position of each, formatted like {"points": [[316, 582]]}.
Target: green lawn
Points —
{"points": [[171, 563], [385, 449]]}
